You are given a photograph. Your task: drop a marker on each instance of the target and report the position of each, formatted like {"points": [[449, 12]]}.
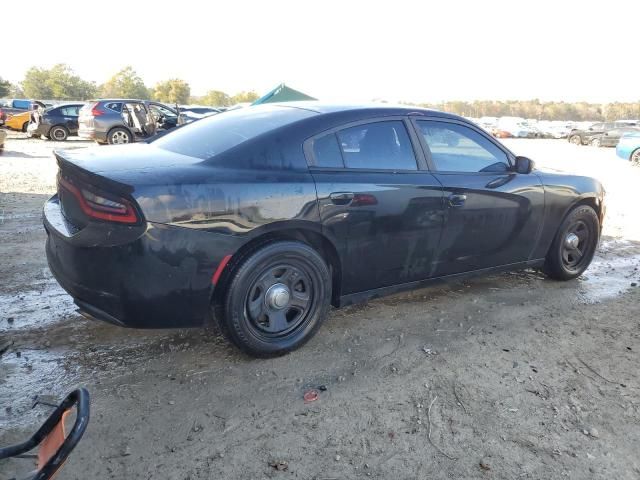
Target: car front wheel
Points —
{"points": [[574, 244], [635, 158], [575, 139], [276, 299], [596, 142]]}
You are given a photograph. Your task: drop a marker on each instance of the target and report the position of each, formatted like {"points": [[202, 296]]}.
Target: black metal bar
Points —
{"points": [[78, 398]]}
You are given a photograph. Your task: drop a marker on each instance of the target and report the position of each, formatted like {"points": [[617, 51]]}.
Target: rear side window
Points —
{"points": [[213, 135], [381, 145], [375, 146], [69, 111], [326, 151], [115, 106]]}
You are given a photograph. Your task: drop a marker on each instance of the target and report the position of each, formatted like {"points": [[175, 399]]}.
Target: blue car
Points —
{"points": [[629, 147]]}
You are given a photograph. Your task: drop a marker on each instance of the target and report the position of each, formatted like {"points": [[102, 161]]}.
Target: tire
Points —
{"points": [[568, 258], [118, 136], [575, 139], [596, 142], [25, 125], [275, 299], [58, 133], [634, 158]]}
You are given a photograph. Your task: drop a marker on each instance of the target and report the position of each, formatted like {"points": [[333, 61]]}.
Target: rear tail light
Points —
{"points": [[101, 206], [96, 111]]}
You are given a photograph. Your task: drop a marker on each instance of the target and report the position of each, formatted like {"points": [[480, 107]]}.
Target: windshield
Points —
{"points": [[213, 135]]}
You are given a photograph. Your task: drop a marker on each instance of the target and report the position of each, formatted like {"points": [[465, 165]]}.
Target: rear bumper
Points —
{"points": [[39, 129], [92, 134], [160, 279]]}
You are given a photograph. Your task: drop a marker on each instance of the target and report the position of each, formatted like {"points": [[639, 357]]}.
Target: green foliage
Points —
{"points": [[172, 91], [5, 88], [578, 111], [244, 97], [125, 84], [215, 98], [57, 83]]}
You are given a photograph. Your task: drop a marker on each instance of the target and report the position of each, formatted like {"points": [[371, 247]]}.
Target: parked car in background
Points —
{"points": [[629, 147], [56, 123], [267, 215], [119, 121], [18, 121], [601, 134], [196, 112], [9, 108], [13, 106]]}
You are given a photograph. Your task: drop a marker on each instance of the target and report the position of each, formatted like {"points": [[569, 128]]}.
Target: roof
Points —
{"points": [[282, 93], [381, 108]]}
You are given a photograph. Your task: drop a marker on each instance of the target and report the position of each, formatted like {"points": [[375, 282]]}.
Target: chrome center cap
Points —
{"points": [[571, 241], [277, 296]]}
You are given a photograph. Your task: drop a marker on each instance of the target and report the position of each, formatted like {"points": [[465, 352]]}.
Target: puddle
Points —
{"points": [[611, 272], [34, 372], [44, 304]]}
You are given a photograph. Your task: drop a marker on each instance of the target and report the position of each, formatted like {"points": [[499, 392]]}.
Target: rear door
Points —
{"points": [[69, 117], [377, 202], [492, 214]]}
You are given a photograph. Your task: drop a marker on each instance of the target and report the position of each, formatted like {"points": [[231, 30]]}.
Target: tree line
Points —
{"points": [[570, 111], [61, 83]]}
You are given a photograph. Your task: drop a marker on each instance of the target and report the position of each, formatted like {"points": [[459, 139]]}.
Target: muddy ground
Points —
{"points": [[508, 376]]}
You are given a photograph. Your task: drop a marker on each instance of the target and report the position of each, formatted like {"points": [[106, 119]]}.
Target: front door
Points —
{"points": [[377, 203], [493, 214]]}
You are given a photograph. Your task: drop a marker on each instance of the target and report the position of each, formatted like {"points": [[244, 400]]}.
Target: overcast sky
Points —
{"points": [[341, 50]]}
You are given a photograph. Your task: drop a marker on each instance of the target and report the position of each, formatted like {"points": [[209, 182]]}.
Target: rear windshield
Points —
{"points": [[213, 135]]}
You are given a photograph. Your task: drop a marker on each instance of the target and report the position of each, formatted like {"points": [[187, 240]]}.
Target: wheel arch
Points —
{"points": [[304, 234]]}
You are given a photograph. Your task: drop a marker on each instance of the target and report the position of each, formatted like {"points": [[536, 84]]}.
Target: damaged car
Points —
{"points": [[261, 218], [121, 121]]}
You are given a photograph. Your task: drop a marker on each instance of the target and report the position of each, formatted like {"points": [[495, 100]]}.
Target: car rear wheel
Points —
{"points": [[596, 142], [575, 139], [58, 133], [574, 245], [276, 299], [25, 125], [119, 136], [635, 157]]}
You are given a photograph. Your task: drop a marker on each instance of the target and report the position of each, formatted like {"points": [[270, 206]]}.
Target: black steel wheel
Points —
{"points": [[574, 245], [275, 299]]}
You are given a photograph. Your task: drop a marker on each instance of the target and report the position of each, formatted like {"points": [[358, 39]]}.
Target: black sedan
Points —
{"points": [[266, 216], [55, 123]]}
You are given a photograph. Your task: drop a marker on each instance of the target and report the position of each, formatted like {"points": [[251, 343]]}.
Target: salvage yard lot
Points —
{"points": [[508, 376]]}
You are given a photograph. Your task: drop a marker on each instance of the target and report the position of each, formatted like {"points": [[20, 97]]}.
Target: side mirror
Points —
{"points": [[524, 165]]}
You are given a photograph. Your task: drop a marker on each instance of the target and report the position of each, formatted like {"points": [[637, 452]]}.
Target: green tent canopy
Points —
{"points": [[282, 93]]}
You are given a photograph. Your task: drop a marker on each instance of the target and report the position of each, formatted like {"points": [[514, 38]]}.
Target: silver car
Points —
{"points": [[117, 121]]}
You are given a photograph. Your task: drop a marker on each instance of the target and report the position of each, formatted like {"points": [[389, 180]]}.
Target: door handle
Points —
{"points": [[341, 198], [457, 200]]}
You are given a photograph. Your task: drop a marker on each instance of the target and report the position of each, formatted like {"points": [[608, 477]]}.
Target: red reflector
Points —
{"points": [[218, 272], [102, 208]]}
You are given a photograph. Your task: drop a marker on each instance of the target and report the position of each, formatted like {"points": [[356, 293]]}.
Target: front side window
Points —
{"points": [[456, 148]]}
